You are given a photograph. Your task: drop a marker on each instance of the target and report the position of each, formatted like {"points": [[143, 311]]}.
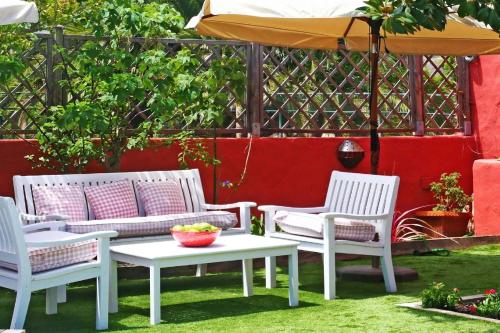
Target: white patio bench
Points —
{"points": [[189, 181]]}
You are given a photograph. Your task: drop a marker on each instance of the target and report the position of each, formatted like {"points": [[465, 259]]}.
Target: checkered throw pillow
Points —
{"points": [[65, 200], [115, 200], [161, 198]]}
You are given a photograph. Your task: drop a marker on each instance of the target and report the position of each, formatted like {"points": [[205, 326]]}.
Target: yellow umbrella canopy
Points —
{"points": [[321, 24]]}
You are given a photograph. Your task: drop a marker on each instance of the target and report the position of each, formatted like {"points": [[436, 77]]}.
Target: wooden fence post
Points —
{"points": [[49, 66], [254, 88], [59, 93], [415, 68], [463, 94]]}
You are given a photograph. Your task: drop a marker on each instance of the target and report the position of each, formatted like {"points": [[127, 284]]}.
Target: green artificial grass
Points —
{"points": [[214, 303]]}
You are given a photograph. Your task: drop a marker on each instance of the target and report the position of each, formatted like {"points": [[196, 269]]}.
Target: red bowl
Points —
{"points": [[196, 239]]}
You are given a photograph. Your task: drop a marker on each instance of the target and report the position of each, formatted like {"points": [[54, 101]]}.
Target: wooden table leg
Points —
{"points": [[154, 295], [293, 278], [247, 277]]}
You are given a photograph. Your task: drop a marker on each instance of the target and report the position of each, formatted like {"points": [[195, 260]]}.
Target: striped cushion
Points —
{"points": [[153, 225], [47, 258], [65, 200], [115, 200], [311, 225], [161, 198]]}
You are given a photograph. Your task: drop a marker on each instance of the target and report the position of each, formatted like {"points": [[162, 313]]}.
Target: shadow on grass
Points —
{"points": [[191, 312]]}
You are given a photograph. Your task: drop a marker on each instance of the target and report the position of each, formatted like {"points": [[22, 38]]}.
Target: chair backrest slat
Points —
{"points": [[12, 244], [363, 194], [189, 180]]}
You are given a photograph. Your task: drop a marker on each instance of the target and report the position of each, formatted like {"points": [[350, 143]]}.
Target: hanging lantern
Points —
{"points": [[350, 153]]}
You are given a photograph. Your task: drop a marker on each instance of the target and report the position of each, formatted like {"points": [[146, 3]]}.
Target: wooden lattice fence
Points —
{"points": [[289, 91]]}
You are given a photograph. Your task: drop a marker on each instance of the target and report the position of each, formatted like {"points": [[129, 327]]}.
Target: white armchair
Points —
{"points": [[354, 197], [17, 271]]}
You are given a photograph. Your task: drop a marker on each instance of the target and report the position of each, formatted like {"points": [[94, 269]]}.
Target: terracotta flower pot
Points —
{"points": [[450, 224]]}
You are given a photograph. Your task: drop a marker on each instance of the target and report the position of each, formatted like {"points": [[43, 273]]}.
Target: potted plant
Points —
{"points": [[451, 215]]}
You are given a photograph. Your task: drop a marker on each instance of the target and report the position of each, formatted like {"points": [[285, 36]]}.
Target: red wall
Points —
{"points": [[486, 204], [291, 171], [485, 90]]}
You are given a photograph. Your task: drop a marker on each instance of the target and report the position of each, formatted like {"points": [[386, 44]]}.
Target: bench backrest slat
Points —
{"points": [[189, 180]]}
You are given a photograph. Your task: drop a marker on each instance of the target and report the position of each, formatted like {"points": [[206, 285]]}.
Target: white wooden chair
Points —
{"points": [[14, 243], [353, 196]]}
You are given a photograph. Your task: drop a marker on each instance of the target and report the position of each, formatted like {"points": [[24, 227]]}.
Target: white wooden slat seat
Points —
{"points": [[351, 196], [14, 245]]}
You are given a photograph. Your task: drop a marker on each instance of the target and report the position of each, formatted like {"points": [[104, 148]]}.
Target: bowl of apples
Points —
{"points": [[195, 235]]}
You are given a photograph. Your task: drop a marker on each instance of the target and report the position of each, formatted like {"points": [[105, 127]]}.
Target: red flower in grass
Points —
{"points": [[472, 309], [490, 292]]}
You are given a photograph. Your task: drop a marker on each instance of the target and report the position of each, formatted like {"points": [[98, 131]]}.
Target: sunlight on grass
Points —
{"points": [[215, 303]]}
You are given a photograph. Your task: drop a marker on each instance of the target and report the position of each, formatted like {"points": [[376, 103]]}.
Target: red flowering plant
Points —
{"points": [[490, 306], [437, 296]]}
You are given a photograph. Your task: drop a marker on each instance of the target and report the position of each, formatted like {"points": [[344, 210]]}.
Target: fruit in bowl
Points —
{"points": [[195, 235]]}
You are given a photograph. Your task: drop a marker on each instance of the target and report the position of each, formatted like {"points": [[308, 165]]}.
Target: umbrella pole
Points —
{"points": [[374, 139], [374, 58]]}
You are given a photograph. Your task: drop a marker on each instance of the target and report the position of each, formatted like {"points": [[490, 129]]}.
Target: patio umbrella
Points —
{"points": [[328, 24], [17, 11]]}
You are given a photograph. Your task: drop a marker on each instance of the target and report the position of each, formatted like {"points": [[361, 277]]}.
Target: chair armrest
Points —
{"points": [[310, 210], [54, 225], [355, 216], [40, 218], [243, 204], [72, 240]]}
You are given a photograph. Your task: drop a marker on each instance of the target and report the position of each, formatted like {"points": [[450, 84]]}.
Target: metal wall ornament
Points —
{"points": [[350, 154]]}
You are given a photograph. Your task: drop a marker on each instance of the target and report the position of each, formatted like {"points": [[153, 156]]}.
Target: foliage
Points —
{"points": [[408, 228], [409, 16], [450, 197], [258, 226], [106, 80], [490, 306], [436, 296]]}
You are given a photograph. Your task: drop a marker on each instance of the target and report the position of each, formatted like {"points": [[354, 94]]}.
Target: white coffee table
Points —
{"points": [[161, 254]]}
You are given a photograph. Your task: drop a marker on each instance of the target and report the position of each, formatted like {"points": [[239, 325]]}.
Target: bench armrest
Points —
{"points": [[245, 216], [246, 204], [310, 210], [54, 225], [77, 238], [41, 218]]}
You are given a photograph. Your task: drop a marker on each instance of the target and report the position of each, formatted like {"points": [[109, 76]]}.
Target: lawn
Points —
{"points": [[215, 304]]}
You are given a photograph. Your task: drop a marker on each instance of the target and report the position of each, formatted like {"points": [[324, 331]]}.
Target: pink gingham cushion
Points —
{"points": [[65, 200], [47, 258], [161, 198], [115, 200], [153, 225], [311, 225]]}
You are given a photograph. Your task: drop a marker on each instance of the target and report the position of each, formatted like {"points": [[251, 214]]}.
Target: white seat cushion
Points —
{"points": [[48, 258], [311, 225], [153, 225]]}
